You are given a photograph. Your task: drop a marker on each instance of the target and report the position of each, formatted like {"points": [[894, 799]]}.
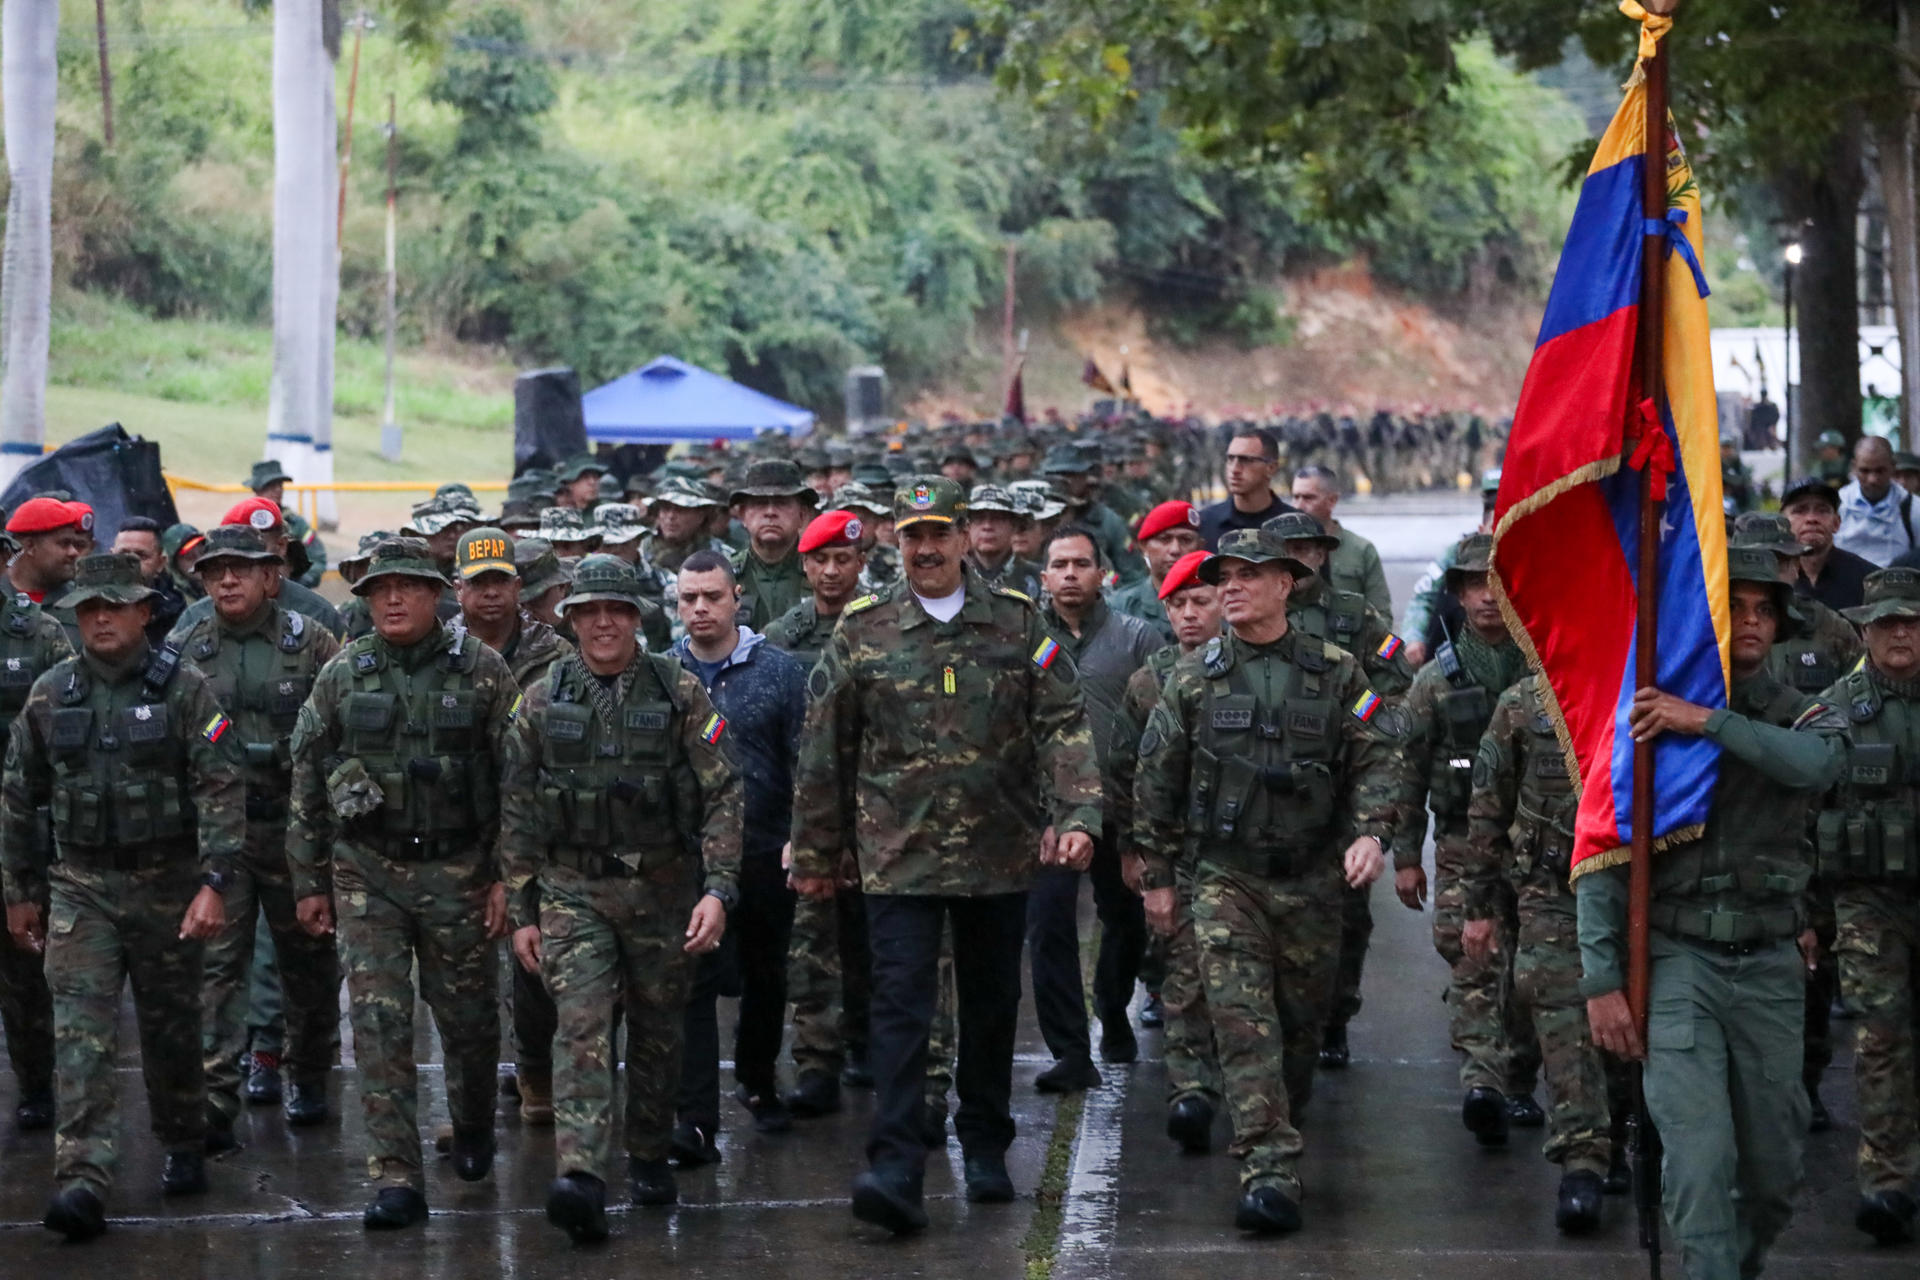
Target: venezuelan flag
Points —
{"points": [[1566, 533]]}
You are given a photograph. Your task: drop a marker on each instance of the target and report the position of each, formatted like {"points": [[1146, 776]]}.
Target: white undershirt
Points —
{"points": [[943, 608]]}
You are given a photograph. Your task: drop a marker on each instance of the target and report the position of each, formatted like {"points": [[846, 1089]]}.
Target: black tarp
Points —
{"points": [[548, 425], [116, 474]]}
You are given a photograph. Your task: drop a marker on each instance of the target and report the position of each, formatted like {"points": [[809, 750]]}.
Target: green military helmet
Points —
{"points": [[929, 500], [620, 523], [236, 542], [993, 497], [774, 478], [483, 550], [1298, 526], [854, 496], [1766, 531], [681, 491], [540, 569], [1472, 554], [578, 465], [1890, 594], [602, 577], [1066, 460], [113, 576], [267, 472], [1830, 440], [400, 557], [1255, 546]]}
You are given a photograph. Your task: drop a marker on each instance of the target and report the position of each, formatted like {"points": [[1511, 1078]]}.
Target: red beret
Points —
{"points": [[254, 513], [834, 529], [43, 515], [1185, 572], [1168, 515]]}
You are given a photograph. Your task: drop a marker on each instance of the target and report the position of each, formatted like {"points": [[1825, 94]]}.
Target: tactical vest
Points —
{"points": [[1336, 617], [1868, 832], [19, 659], [1462, 714], [617, 799], [1803, 663], [1742, 884], [421, 736], [119, 762], [264, 707], [1262, 785], [1544, 811]]}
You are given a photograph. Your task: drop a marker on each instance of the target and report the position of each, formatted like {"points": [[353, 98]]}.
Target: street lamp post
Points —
{"points": [[1793, 254]]}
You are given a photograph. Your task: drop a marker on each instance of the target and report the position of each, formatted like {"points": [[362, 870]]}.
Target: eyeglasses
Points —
{"points": [[1247, 460]]}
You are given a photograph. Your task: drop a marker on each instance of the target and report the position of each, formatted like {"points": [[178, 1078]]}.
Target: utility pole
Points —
{"points": [[1006, 321], [360, 24], [389, 428]]}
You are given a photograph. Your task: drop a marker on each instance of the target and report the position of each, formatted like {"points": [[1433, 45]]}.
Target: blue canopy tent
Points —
{"points": [[668, 400]]}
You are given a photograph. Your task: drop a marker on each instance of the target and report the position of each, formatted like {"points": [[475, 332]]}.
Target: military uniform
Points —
{"points": [[767, 591], [261, 670], [1142, 600], [1354, 567], [300, 531], [620, 808], [30, 644], [396, 761], [291, 596], [131, 759], [1256, 758]]}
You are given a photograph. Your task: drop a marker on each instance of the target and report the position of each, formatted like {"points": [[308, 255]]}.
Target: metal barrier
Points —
{"points": [[306, 500]]}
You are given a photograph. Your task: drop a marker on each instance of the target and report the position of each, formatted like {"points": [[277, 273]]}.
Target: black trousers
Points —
{"points": [[1053, 943], [904, 931], [751, 963]]}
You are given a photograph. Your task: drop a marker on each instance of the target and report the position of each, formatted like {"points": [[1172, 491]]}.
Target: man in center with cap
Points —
{"points": [[679, 511], [395, 817], [1265, 747], [773, 503], [269, 480], [621, 528], [1830, 574], [1166, 533], [263, 517], [1073, 470], [945, 748], [260, 661], [52, 536]]}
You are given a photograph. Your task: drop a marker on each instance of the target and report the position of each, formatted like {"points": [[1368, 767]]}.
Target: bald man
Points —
{"points": [[1875, 513]]}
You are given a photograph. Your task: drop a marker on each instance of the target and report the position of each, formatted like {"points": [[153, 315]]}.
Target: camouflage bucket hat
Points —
{"points": [[400, 557], [602, 577], [453, 491], [774, 478], [540, 569], [1890, 594], [429, 518], [564, 524], [1255, 546], [1298, 526], [364, 552], [1766, 531], [620, 522], [483, 550], [680, 491], [268, 472], [1472, 554], [993, 497], [854, 496], [578, 465], [1038, 499], [236, 542], [873, 474], [1066, 460], [113, 576], [928, 499]]}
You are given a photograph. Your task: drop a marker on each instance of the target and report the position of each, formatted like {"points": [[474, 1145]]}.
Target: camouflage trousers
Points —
{"points": [[26, 1012], [1186, 1038], [1498, 1040], [1268, 952], [106, 929], [1356, 932], [1879, 949], [392, 916], [1546, 987], [308, 969], [608, 941]]}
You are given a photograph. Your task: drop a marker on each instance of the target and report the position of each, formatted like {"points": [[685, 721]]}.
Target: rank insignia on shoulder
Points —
{"points": [[513, 711], [1015, 592], [864, 602], [1389, 648], [1364, 708]]}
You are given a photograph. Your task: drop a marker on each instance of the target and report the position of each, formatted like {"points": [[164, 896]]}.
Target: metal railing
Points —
{"points": [[306, 497]]}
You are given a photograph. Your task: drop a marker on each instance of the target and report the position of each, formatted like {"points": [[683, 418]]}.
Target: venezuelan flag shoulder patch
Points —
{"points": [[1368, 703], [1043, 656], [215, 728], [1813, 712], [710, 731], [1389, 648]]}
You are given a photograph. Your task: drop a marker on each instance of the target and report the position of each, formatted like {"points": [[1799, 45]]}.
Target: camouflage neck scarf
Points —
{"points": [[1905, 690], [607, 702], [1489, 667]]}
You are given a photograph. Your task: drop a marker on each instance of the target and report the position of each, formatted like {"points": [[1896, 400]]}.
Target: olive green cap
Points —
{"points": [[579, 465], [1472, 554], [176, 537], [483, 550], [1890, 593], [400, 557], [1906, 461], [1753, 564], [1766, 531], [1255, 546], [1830, 440], [603, 577], [928, 499], [268, 472], [1298, 526], [113, 576], [235, 542]]}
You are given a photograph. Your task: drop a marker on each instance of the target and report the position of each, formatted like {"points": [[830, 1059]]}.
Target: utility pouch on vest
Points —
{"points": [[369, 714], [71, 728], [1873, 766], [452, 721], [1204, 780], [566, 731], [262, 755], [1237, 777], [1896, 842], [1863, 846]]}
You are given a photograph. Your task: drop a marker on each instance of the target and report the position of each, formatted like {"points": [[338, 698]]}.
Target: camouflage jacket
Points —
{"points": [[1520, 819], [1346, 620], [933, 749], [535, 647], [192, 759], [1362, 758], [31, 641], [768, 590], [802, 632], [882, 568], [321, 773], [664, 557], [1446, 717], [1016, 574], [1823, 648], [292, 595], [698, 763]]}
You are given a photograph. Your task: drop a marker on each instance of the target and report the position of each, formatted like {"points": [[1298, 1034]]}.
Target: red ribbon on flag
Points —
{"points": [[1652, 448]]}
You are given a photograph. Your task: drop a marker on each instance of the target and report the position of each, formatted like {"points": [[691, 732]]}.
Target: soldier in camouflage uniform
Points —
{"points": [[1868, 853], [1265, 746], [881, 561], [620, 833], [126, 749], [945, 746], [1448, 709], [1166, 533], [774, 503], [679, 511], [396, 773], [570, 533], [269, 480], [355, 620], [31, 642], [261, 660], [994, 519], [265, 518], [1519, 849]]}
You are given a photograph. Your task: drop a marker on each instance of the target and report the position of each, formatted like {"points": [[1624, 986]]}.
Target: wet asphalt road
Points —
{"points": [[1395, 1187]]}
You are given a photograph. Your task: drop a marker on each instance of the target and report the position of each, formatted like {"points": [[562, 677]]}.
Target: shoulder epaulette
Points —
{"points": [[864, 602], [1015, 592]]}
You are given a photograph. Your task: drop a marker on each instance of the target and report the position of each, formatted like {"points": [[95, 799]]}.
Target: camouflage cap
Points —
{"points": [[1255, 546], [620, 522], [364, 552], [268, 472], [540, 569], [678, 491], [429, 518], [1767, 531], [564, 524], [603, 577], [483, 550], [1038, 499], [578, 465], [400, 557], [928, 499], [1298, 526], [993, 497], [774, 478], [113, 576], [235, 542], [1065, 460], [1890, 594], [611, 490], [854, 496]]}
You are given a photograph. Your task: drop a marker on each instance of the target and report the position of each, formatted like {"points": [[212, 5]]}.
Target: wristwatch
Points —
{"points": [[217, 881], [726, 900]]}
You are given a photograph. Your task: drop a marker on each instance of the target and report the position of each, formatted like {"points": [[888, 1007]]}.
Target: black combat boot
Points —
{"points": [[770, 1114], [1334, 1054], [1267, 1211], [1069, 1075], [184, 1173], [1524, 1113], [1484, 1112], [855, 1074], [220, 1136], [472, 1152], [1117, 1041], [890, 1199], [651, 1182], [394, 1208], [817, 1094], [692, 1145], [263, 1079], [77, 1214], [1190, 1123], [577, 1204], [1581, 1193], [987, 1178], [306, 1105], [1887, 1216], [35, 1111], [1153, 1013], [1819, 1119]]}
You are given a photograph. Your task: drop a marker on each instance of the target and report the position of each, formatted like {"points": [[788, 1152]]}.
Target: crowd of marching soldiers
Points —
{"points": [[640, 723]]}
